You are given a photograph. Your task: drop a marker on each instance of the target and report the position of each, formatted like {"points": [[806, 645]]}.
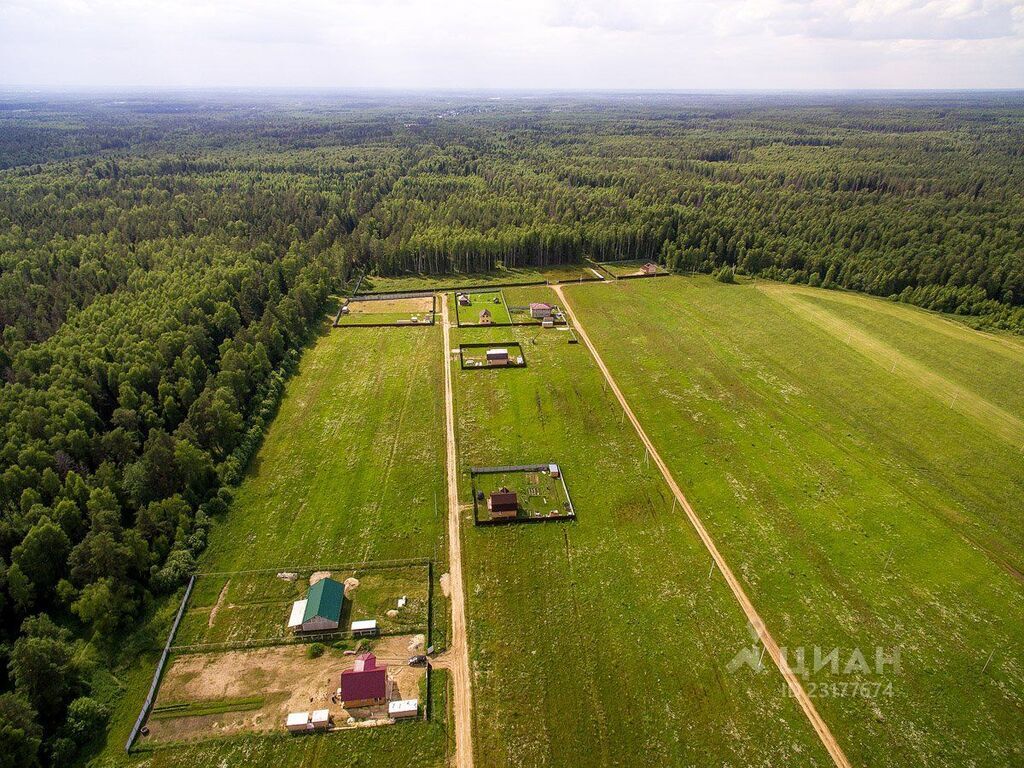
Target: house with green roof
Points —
{"points": [[321, 610]]}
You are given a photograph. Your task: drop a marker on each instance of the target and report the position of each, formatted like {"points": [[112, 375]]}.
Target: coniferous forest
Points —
{"points": [[165, 259]]}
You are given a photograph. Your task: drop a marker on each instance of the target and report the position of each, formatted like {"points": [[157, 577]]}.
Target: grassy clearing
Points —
{"points": [[602, 641], [858, 507], [349, 472]]}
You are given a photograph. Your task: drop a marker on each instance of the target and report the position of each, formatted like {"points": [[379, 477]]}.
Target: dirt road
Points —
{"points": [[458, 650], [795, 686]]}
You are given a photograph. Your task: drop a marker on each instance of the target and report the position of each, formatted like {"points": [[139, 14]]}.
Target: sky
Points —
{"points": [[513, 44]]}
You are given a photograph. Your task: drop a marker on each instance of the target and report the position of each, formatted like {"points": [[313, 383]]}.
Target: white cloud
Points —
{"points": [[514, 43]]}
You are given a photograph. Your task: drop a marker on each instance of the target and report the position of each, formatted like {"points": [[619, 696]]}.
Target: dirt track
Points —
{"points": [[795, 686], [458, 651]]}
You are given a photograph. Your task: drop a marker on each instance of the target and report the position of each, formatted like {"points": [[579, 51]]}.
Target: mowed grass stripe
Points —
{"points": [[600, 642], [987, 363], [859, 510], [960, 398]]}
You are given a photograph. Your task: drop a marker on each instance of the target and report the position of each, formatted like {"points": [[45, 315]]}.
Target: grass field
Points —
{"points": [[860, 465], [602, 641], [348, 473]]}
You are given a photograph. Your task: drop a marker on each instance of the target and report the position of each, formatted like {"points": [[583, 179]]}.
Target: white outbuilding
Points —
{"points": [[403, 708], [297, 722]]}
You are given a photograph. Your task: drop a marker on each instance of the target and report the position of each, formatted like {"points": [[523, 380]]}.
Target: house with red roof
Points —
{"points": [[366, 684]]}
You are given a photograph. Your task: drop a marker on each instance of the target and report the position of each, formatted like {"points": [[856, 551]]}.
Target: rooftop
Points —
{"points": [[324, 599]]}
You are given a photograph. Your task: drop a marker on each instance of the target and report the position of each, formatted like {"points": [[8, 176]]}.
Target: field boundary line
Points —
{"points": [[817, 722], [462, 703], [159, 672]]}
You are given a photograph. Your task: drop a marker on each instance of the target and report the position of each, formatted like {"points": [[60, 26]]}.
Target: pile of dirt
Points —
{"points": [[288, 576], [351, 583], [392, 613], [446, 584], [416, 642], [318, 576]]}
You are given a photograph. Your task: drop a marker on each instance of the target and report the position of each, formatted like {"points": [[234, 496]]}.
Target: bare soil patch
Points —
{"points": [[415, 305], [285, 676]]}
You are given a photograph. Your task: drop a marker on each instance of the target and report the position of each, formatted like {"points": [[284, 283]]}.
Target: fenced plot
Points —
{"points": [[396, 309], [520, 494], [625, 270], [251, 609], [215, 694], [481, 308], [500, 354]]}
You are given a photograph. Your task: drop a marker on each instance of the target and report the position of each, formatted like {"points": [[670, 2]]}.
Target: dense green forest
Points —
{"points": [[163, 261]]}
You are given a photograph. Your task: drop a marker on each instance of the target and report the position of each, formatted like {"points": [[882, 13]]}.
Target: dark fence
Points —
{"points": [[510, 345], [474, 471], [155, 685]]}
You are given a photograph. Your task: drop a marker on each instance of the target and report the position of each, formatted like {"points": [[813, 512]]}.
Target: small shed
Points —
{"points": [[298, 611], [463, 299], [503, 503], [497, 356], [650, 268], [320, 720], [364, 628], [403, 708], [485, 317], [345, 310], [553, 470], [547, 322], [297, 722], [539, 310]]}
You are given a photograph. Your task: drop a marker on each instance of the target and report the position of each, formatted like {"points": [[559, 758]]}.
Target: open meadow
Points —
{"points": [[599, 641], [859, 464], [347, 474]]}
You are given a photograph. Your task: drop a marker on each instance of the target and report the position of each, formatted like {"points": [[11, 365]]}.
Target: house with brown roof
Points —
{"points": [[503, 503], [650, 268], [539, 310], [485, 317], [366, 684]]}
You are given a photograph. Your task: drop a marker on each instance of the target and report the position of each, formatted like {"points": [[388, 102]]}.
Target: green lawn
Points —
{"points": [[492, 301], [601, 641], [348, 473], [859, 464]]}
